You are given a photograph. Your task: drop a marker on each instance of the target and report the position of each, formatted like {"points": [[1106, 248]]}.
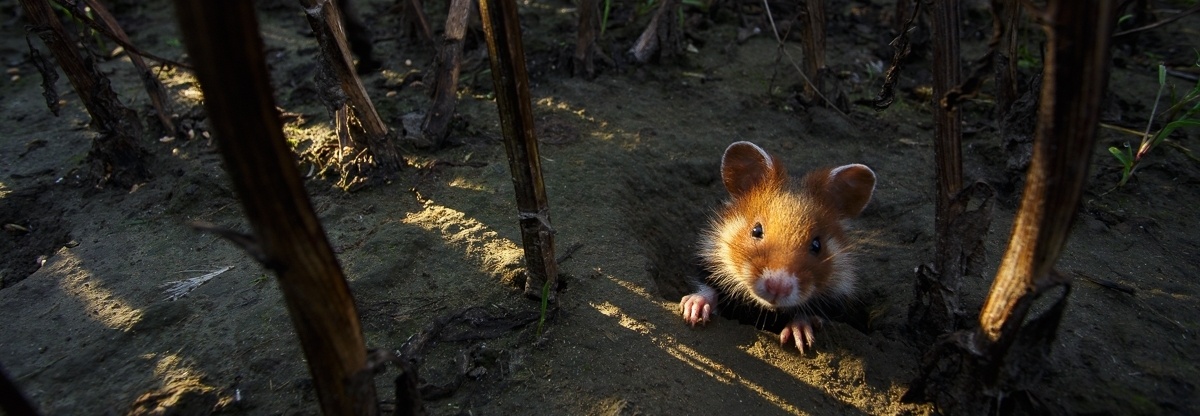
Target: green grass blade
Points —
{"points": [[604, 16], [1120, 155]]}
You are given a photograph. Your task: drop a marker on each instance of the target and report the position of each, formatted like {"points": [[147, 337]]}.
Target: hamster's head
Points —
{"points": [[779, 245]]}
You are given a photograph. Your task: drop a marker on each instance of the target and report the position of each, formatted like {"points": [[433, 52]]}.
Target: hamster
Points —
{"points": [[777, 245]]}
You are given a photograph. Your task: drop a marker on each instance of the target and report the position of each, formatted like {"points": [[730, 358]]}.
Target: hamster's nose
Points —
{"points": [[777, 288]]}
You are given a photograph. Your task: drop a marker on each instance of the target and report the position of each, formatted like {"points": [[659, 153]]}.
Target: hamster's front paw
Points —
{"points": [[698, 307], [801, 330]]}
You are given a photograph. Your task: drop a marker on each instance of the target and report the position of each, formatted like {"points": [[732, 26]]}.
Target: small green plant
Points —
{"points": [[1183, 113]]}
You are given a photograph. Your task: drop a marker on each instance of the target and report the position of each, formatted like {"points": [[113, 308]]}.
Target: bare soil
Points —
{"points": [[631, 168]]}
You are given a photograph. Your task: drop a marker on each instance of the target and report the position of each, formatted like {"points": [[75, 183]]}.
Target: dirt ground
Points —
{"points": [[631, 168]]}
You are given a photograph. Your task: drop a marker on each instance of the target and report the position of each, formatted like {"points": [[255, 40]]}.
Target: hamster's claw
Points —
{"points": [[800, 330], [696, 309]]}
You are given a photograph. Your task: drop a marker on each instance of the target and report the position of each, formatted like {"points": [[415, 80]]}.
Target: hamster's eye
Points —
{"points": [[757, 231], [815, 247]]}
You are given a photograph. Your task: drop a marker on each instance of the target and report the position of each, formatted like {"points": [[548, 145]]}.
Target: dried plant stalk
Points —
{"points": [[1007, 14], [585, 40], [222, 38], [966, 372], [1074, 81], [503, 32], [449, 63], [814, 47], [937, 310]]}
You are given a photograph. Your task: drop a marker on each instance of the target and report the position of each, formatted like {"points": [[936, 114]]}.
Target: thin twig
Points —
{"points": [[1122, 129], [1181, 15]]}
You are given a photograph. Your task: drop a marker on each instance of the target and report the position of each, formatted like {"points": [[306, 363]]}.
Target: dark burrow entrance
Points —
{"points": [[33, 230]]}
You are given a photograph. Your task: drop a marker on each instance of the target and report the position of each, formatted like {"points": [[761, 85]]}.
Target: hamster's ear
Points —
{"points": [[850, 188], [746, 166]]}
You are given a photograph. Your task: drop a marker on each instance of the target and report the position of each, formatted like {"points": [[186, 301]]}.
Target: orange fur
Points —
{"points": [[779, 269]]}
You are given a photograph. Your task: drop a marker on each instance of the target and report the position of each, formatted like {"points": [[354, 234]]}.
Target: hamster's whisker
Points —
{"points": [[842, 249]]}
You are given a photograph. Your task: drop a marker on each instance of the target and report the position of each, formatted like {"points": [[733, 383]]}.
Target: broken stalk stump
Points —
{"points": [[663, 37], [585, 40], [814, 47], [222, 38], [116, 154], [449, 62], [502, 29], [326, 22]]}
